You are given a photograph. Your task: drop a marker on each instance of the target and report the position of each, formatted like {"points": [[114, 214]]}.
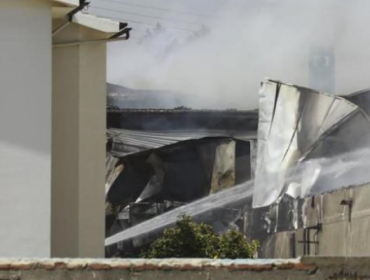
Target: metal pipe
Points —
{"points": [[125, 31], [77, 43]]}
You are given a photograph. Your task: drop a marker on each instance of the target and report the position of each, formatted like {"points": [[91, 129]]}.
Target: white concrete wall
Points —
{"points": [[79, 126], [25, 127]]}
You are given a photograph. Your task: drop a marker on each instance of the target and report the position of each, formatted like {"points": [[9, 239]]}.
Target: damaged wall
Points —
{"points": [[343, 214]]}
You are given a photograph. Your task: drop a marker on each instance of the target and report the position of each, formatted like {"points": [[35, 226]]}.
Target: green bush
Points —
{"points": [[193, 240]]}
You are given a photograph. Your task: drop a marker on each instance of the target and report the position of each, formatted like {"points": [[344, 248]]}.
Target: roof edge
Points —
{"points": [[97, 23], [71, 3]]}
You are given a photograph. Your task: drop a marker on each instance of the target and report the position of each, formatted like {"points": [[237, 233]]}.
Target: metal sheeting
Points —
{"points": [[181, 172], [127, 142], [361, 99], [155, 183], [223, 176], [341, 157], [294, 123], [111, 171]]}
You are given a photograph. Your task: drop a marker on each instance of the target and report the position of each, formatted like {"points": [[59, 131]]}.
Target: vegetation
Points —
{"points": [[193, 240]]}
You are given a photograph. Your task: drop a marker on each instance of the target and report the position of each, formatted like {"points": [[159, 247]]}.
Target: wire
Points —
{"points": [[129, 20], [158, 9], [143, 15], [147, 23], [170, 28]]}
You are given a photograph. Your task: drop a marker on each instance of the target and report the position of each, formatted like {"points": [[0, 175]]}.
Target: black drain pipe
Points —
{"points": [[70, 15], [123, 30]]}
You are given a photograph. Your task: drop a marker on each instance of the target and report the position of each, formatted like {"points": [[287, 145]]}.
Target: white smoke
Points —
{"points": [[249, 40]]}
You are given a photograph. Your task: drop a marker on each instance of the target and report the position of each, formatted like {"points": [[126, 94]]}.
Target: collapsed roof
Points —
{"points": [[159, 160], [133, 130]]}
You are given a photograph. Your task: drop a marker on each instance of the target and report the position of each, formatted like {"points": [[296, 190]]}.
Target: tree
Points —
{"points": [[198, 240]]}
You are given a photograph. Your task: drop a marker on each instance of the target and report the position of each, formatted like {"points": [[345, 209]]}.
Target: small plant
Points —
{"points": [[198, 240], [234, 245]]}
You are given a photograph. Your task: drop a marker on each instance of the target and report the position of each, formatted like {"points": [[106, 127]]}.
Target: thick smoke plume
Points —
{"points": [[247, 41]]}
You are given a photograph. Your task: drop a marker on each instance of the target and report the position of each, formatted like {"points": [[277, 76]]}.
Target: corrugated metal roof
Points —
{"points": [[132, 141]]}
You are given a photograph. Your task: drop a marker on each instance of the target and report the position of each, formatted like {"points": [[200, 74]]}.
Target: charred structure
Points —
{"points": [[182, 119], [158, 160], [311, 178]]}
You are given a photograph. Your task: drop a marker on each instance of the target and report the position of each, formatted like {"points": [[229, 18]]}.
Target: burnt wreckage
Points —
{"points": [[311, 178], [158, 160]]}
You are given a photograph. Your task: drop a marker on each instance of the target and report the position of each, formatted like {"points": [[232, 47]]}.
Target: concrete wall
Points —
{"points": [[187, 269], [79, 121], [25, 127]]}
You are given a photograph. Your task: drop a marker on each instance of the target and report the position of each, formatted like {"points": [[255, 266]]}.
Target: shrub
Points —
{"points": [[234, 245], [198, 240]]}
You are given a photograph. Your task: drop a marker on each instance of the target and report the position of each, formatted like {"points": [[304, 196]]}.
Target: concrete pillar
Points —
{"points": [[25, 127], [79, 121]]}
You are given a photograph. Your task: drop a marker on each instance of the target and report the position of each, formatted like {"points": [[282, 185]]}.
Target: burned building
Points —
{"points": [[311, 178], [158, 160]]}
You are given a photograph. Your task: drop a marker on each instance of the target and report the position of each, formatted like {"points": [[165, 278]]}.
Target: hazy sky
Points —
{"points": [[247, 40], [143, 14]]}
